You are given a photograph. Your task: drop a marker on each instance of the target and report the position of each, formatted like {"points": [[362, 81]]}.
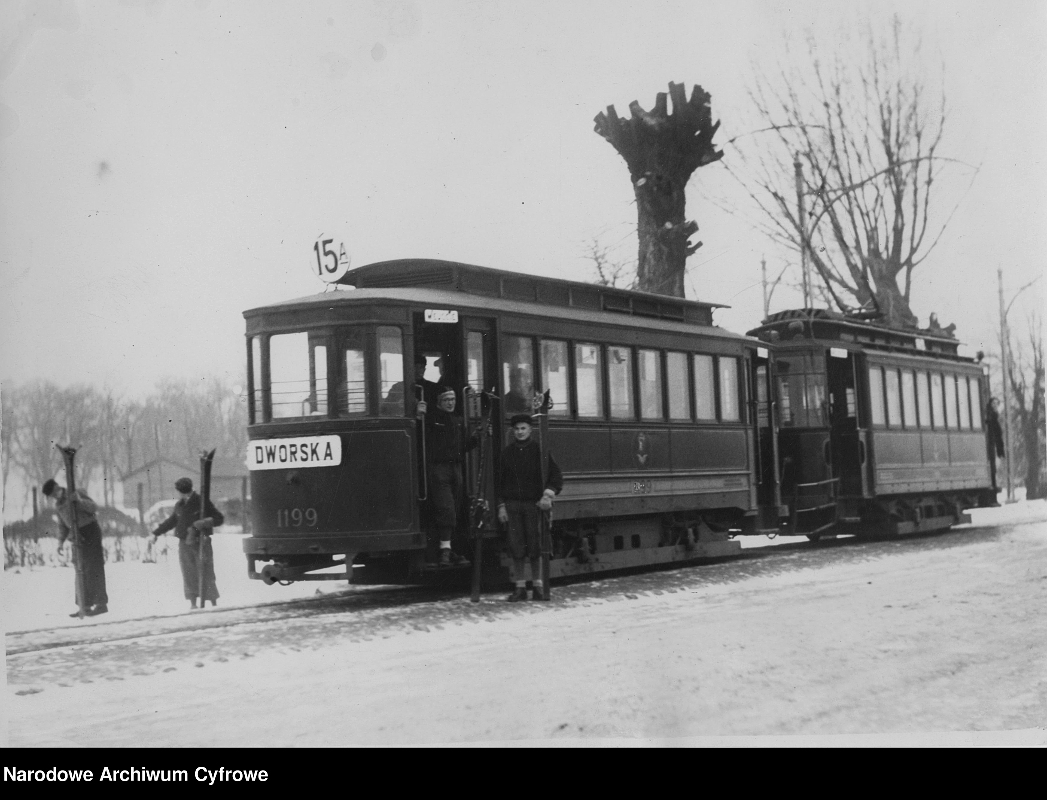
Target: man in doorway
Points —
{"points": [[522, 496], [424, 389], [89, 549], [445, 446], [189, 521]]}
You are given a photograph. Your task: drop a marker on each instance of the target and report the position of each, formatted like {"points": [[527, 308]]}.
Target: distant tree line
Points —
{"points": [[116, 435]]}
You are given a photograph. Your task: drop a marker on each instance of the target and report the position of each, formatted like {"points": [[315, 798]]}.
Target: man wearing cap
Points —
{"points": [[90, 553], [445, 445], [521, 497], [188, 523]]}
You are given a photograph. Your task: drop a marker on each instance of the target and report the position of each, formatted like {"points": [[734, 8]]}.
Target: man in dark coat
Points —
{"points": [[521, 497], [446, 443], [89, 543], [189, 523], [422, 388], [995, 437]]}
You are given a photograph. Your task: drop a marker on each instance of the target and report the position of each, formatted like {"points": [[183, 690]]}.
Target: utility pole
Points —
{"points": [[1006, 405], [801, 218]]}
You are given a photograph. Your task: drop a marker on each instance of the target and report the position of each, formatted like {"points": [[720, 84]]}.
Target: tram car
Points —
{"points": [[654, 421], [880, 430]]}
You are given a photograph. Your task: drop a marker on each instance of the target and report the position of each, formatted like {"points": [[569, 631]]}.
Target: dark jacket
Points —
{"points": [[445, 438], [186, 512], [520, 473]]}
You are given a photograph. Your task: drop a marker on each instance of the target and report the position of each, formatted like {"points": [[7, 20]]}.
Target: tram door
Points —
{"points": [[768, 493], [459, 354], [848, 439]]}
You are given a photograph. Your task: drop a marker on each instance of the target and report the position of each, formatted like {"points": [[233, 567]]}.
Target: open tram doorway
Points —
{"points": [[459, 354], [848, 438]]}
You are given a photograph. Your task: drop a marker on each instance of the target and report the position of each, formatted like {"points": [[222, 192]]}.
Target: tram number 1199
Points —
{"points": [[295, 517]]}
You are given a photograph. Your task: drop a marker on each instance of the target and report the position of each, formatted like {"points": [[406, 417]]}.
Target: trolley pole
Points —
{"points": [[801, 215]]}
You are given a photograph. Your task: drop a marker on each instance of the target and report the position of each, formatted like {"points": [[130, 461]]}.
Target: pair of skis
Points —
{"points": [[479, 508], [68, 455], [206, 459], [545, 518]]}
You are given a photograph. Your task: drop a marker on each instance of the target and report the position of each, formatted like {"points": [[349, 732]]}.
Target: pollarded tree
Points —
{"points": [[853, 141], [662, 150]]}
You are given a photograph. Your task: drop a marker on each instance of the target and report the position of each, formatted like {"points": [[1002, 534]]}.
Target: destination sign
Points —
{"points": [[302, 451], [440, 315]]}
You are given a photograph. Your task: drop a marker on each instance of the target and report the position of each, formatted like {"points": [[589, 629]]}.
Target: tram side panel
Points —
{"points": [[364, 503]]}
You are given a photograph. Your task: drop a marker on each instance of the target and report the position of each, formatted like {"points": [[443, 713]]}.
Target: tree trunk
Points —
{"points": [[662, 150]]}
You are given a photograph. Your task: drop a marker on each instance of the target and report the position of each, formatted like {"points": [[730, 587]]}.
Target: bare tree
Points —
{"points": [[844, 165], [610, 271], [8, 422], [662, 150], [1026, 377]]}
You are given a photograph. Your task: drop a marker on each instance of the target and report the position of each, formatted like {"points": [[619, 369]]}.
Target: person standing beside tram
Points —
{"points": [[89, 549], [188, 523], [521, 497]]}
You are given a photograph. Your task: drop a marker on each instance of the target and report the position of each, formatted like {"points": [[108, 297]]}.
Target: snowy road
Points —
{"points": [[928, 634]]}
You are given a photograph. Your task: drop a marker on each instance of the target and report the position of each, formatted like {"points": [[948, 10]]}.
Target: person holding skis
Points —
{"points": [[92, 559], [521, 497], [188, 523]]}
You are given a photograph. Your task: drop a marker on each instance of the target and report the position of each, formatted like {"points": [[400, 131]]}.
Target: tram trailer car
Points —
{"points": [[880, 430], [666, 450]]}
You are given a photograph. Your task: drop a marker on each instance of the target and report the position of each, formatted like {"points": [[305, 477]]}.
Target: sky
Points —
{"points": [[165, 166]]}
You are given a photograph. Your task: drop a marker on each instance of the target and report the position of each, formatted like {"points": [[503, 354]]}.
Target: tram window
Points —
{"points": [[518, 375], [650, 362], [762, 406], [620, 381], [256, 379], [976, 404], [936, 400], [894, 399], [297, 388], [587, 380], [352, 387], [679, 397], [923, 400], [391, 371], [908, 398], [950, 401], [815, 399], [704, 387], [474, 360], [964, 400], [876, 405], [554, 376], [801, 394], [730, 411]]}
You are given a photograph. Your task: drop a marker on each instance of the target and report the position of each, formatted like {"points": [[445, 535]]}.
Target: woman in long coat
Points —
{"points": [[193, 531]]}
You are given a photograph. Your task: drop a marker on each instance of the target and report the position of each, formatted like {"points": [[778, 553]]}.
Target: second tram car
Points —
{"points": [[674, 436]]}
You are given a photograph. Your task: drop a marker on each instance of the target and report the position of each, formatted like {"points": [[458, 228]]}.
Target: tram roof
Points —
{"points": [[422, 280], [822, 323], [508, 292]]}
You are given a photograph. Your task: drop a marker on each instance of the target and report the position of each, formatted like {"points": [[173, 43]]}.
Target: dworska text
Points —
{"points": [[301, 451]]}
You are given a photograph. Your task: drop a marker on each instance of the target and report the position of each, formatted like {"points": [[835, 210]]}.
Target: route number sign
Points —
{"points": [[330, 265]]}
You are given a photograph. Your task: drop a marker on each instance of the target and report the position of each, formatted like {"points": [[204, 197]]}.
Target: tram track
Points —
{"points": [[358, 601]]}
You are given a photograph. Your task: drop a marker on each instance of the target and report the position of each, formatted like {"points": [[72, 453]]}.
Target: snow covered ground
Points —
{"points": [[43, 597], [908, 642]]}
